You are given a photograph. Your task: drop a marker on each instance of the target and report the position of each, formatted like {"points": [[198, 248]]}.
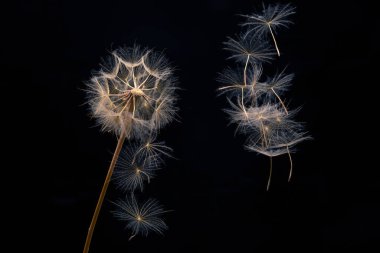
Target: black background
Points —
{"points": [[216, 188]]}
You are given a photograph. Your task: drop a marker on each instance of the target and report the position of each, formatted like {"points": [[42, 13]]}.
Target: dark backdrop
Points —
{"points": [[216, 188]]}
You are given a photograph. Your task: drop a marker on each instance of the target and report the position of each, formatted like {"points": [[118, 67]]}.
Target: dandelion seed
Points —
{"points": [[141, 219], [153, 150], [253, 117], [246, 49], [274, 87], [132, 169], [236, 84], [280, 140], [271, 18]]}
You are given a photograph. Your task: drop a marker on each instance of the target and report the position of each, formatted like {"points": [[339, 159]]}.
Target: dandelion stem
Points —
{"points": [[103, 192], [291, 164], [282, 103], [270, 172], [274, 40]]}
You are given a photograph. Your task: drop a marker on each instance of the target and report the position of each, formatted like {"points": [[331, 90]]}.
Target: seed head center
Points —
{"points": [[137, 92]]}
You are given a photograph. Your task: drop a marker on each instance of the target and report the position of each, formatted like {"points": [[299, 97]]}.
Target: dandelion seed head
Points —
{"points": [[134, 92]]}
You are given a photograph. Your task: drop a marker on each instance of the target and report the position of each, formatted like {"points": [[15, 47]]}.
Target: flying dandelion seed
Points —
{"points": [[141, 219], [154, 150], [276, 86], [269, 20], [248, 49], [236, 85], [133, 169]]}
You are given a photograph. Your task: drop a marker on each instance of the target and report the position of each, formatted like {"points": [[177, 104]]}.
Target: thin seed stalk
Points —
{"points": [[245, 71], [291, 164], [279, 98], [245, 80], [270, 172], [274, 40]]}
